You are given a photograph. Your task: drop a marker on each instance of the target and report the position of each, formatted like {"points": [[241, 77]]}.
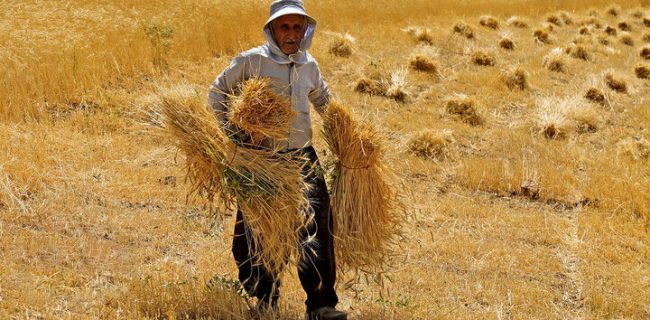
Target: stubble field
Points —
{"points": [[523, 146]]}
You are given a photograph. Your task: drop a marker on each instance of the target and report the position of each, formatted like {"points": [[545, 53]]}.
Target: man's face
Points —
{"points": [[288, 31]]}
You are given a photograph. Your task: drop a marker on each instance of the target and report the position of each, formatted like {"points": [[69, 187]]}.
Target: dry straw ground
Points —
{"points": [[539, 210]]}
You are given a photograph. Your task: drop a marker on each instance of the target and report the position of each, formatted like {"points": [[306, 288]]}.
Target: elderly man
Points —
{"points": [[294, 74]]}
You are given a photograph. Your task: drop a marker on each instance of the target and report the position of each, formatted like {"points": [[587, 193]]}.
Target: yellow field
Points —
{"points": [[541, 211]]}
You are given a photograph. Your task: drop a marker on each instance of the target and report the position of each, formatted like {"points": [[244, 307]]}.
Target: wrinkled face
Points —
{"points": [[288, 31]]}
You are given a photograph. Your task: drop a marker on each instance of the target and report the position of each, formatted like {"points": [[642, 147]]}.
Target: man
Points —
{"points": [[294, 74]]}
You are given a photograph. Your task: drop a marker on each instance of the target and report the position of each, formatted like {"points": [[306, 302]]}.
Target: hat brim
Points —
{"points": [[290, 10]]}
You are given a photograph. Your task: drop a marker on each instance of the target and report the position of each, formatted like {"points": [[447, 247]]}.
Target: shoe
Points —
{"points": [[327, 313]]}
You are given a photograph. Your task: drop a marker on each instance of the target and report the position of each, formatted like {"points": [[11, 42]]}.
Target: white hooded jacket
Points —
{"points": [[295, 77]]}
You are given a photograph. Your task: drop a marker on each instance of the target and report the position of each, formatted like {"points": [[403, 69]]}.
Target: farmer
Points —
{"points": [[294, 74]]}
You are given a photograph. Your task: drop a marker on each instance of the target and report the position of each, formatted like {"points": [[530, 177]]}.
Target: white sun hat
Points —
{"points": [[284, 7]]}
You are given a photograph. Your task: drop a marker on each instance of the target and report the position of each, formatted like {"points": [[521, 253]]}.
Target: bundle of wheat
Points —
{"points": [[489, 22], [463, 29], [367, 210], [342, 45], [506, 42], [642, 71], [554, 61], [517, 22], [542, 36], [267, 186], [515, 78], [260, 112]]}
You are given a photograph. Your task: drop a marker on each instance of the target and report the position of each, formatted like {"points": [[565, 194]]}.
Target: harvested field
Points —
{"points": [[525, 176]]}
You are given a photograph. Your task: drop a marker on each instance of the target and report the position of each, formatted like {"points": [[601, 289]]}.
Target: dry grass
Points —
{"points": [[646, 37], [342, 45], [463, 108], [365, 231], [516, 78], [555, 61], [642, 71], [636, 148], [464, 30], [489, 22], [261, 113], [268, 187], [437, 145]]}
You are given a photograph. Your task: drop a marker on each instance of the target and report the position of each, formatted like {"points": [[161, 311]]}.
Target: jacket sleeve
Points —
{"points": [[321, 94], [225, 84]]}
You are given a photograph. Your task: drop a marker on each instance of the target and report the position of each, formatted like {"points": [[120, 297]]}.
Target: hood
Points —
{"points": [[284, 7]]}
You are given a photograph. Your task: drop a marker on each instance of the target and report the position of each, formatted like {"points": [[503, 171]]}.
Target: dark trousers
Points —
{"points": [[317, 268]]}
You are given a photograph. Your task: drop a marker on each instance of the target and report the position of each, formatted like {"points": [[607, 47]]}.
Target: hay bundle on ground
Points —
{"points": [[435, 145], [489, 22], [585, 31], [614, 11], [268, 187], [646, 37], [595, 95], [342, 45], [645, 53], [542, 36], [424, 63], [464, 30], [566, 18], [627, 39], [260, 112], [515, 78], [420, 34], [371, 86], [578, 52], [463, 108], [611, 31], [554, 19], [517, 22], [506, 42], [624, 26], [367, 212], [642, 71], [616, 83], [483, 58], [554, 61], [646, 22], [397, 89]]}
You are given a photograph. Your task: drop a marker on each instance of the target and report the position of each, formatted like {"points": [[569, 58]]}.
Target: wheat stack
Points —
{"points": [[260, 112], [342, 45], [366, 208], [267, 186]]}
